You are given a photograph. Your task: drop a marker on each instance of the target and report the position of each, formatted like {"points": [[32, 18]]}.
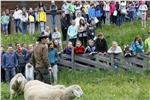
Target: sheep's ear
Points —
{"points": [[77, 93]]}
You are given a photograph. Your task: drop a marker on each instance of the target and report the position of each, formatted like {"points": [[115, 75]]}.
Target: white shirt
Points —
{"points": [[106, 6], [17, 14], [115, 50], [143, 7], [65, 8], [77, 20], [24, 18]]}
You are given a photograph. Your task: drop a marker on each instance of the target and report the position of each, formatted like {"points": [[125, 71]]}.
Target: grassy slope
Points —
{"points": [[123, 35], [100, 85], [103, 85]]}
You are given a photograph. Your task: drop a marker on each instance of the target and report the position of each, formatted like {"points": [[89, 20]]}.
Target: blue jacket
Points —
{"points": [[98, 11], [91, 12], [137, 48], [52, 55], [9, 60], [90, 49]]}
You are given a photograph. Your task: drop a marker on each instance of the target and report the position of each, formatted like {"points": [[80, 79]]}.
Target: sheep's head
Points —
{"points": [[74, 91], [19, 82]]}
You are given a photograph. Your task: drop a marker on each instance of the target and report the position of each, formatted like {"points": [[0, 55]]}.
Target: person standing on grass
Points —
{"points": [[56, 37], [17, 19], [53, 60], [72, 33], [21, 56], [2, 52], [53, 12], [24, 20], [10, 20], [9, 63], [5, 22], [64, 26], [40, 59], [101, 44], [143, 8], [107, 9], [31, 21], [42, 19], [147, 44]]}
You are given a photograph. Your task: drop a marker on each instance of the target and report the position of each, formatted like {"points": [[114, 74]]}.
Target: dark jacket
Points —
{"points": [[101, 45], [53, 10], [64, 23]]}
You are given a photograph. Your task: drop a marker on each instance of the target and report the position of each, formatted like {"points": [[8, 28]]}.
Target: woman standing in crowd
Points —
{"points": [[53, 12], [31, 21], [5, 22], [72, 33], [42, 19], [10, 20], [24, 20], [143, 8], [17, 19], [82, 33], [53, 60], [64, 26], [137, 46], [107, 11]]}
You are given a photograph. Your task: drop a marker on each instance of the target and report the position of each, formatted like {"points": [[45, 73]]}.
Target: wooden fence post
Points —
{"points": [[72, 57]]}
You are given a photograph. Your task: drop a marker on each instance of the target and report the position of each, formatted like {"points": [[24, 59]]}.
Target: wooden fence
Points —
{"points": [[139, 63]]}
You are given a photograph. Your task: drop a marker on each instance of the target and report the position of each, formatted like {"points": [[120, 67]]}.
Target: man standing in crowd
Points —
{"points": [[40, 59], [9, 63]]}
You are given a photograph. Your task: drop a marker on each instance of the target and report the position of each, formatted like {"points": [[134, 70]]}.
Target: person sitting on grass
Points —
{"points": [[68, 49], [91, 49], [53, 59], [137, 46], [101, 44], [79, 48], [147, 44], [9, 63], [115, 50]]}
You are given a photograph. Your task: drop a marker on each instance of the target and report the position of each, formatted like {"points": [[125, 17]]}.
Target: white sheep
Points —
{"points": [[17, 85], [29, 72], [32, 83], [40, 92]]}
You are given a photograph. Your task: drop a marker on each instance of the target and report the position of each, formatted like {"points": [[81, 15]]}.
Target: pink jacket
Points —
{"points": [[112, 8]]}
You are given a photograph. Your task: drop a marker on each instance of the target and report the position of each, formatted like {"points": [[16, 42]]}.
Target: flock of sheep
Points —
{"points": [[37, 90]]}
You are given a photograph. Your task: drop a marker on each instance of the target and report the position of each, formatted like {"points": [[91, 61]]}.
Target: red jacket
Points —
{"points": [[79, 50]]}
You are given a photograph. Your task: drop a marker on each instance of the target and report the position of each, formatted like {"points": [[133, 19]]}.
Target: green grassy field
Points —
{"points": [[103, 85], [99, 84]]}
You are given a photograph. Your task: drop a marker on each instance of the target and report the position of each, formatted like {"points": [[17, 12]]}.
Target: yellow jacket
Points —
{"points": [[42, 17]]}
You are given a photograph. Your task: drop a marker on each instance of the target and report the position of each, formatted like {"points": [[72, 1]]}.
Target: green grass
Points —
{"points": [[100, 85], [103, 85]]}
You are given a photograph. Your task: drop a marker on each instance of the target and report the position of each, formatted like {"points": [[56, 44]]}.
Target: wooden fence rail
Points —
{"points": [[105, 62]]}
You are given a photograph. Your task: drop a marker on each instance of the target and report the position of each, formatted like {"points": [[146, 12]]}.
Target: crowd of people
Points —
{"points": [[79, 21]]}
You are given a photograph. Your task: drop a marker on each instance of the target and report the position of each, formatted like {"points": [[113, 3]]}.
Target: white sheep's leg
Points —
{"points": [[55, 70]]}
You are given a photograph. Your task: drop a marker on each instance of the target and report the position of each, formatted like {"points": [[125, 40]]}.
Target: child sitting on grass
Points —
{"points": [[90, 48], [68, 48], [79, 48]]}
